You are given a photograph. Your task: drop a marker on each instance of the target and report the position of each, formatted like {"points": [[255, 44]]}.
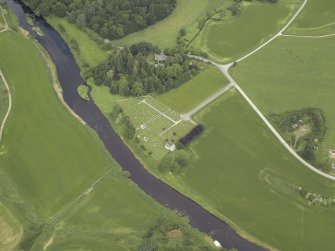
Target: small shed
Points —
{"points": [[170, 147]]}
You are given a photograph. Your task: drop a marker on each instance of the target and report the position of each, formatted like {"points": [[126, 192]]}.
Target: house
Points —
{"points": [[333, 165], [161, 57], [170, 147]]}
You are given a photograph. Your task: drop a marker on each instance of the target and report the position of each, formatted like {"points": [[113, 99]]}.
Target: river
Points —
{"points": [[69, 77]]}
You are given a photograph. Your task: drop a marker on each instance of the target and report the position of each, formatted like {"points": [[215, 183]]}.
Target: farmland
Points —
{"points": [[193, 92], [299, 79], [308, 24], [250, 172], [234, 36]]}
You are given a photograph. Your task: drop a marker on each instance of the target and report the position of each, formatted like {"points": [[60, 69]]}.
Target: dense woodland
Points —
{"points": [[135, 70], [111, 19]]}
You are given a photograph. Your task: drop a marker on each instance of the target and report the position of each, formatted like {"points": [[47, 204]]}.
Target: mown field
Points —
{"points": [[234, 36], [10, 229], [192, 93], [164, 33], [317, 18], [250, 177], [300, 76]]}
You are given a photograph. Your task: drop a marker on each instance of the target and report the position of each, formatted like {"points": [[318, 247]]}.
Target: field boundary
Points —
{"points": [[9, 105]]}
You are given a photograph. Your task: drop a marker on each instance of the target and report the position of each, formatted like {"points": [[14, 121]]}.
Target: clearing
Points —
{"points": [[234, 36]]}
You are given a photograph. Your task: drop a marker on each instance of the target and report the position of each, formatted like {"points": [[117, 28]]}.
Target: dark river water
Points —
{"points": [[69, 78]]}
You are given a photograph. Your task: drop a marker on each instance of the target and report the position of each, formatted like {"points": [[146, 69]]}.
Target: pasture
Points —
{"points": [[10, 230], [317, 18], [88, 50], [300, 75], [164, 33], [192, 93], [234, 36], [250, 178], [156, 124], [49, 155]]}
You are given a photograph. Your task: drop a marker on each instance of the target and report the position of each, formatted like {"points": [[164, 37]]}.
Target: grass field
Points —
{"points": [[164, 33], [35, 154], [192, 93], [247, 180], [233, 37], [10, 230], [2, 21], [89, 51], [317, 18], [299, 76], [155, 123]]}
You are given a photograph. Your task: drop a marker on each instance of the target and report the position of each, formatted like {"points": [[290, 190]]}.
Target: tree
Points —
{"points": [[81, 21], [59, 9]]}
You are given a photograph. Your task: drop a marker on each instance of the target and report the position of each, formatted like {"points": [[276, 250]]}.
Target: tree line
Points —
{"points": [[135, 71], [111, 19]]}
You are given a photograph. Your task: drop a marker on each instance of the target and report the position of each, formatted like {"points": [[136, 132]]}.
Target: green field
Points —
{"points": [[233, 37], [300, 76], [317, 18], [2, 21], [164, 33], [89, 51], [248, 179], [10, 230], [192, 93]]}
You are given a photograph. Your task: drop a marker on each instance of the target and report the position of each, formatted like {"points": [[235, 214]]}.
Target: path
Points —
{"points": [[161, 113], [210, 99], [9, 105]]}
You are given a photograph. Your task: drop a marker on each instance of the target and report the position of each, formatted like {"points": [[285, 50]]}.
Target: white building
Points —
{"points": [[170, 147]]}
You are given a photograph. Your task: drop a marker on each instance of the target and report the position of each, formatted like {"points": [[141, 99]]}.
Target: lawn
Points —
{"points": [[89, 51], [10, 230], [2, 21], [233, 37], [192, 93], [299, 75], [244, 175], [317, 18], [164, 33], [44, 147]]}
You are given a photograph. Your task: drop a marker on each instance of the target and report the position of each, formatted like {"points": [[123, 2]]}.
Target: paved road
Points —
{"points": [[208, 100], [9, 105]]}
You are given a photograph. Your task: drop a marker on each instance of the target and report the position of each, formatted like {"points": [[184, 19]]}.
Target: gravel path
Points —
{"points": [[9, 105]]}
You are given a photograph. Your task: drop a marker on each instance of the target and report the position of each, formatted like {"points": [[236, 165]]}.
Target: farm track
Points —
{"points": [[9, 105], [224, 68]]}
